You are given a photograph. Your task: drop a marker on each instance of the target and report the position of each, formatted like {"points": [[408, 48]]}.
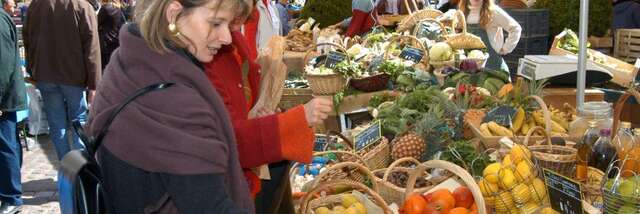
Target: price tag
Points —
{"points": [[368, 136], [333, 58], [565, 194], [320, 143], [411, 53], [501, 115]]}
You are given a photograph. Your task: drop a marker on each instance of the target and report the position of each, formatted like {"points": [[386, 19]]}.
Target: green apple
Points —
{"points": [[628, 209]]}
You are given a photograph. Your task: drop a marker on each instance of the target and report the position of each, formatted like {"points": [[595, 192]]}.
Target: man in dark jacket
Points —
{"points": [[12, 99], [63, 57]]}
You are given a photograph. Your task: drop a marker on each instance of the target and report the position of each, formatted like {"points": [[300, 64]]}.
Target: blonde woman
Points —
{"points": [[487, 20], [173, 150]]}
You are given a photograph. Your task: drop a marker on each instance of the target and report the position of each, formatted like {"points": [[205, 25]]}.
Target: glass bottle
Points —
{"points": [[591, 111], [631, 159], [603, 151], [584, 147], [623, 141]]}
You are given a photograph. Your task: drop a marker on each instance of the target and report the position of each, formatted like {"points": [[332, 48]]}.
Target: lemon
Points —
{"points": [[322, 210], [521, 193], [530, 207], [338, 209], [506, 161], [538, 190], [507, 179], [523, 171], [504, 201], [548, 210], [359, 207], [519, 153], [490, 172], [488, 188], [348, 200]]}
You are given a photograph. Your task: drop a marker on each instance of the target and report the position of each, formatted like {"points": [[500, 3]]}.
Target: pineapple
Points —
{"points": [[409, 145]]}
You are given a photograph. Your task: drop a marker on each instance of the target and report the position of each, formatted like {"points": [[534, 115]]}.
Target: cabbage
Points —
{"points": [[440, 51], [476, 54]]}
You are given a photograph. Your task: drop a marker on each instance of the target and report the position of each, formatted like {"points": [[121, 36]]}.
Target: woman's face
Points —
{"points": [[206, 29], [475, 3]]}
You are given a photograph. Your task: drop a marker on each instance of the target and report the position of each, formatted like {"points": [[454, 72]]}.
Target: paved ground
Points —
{"points": [[39, 176]]}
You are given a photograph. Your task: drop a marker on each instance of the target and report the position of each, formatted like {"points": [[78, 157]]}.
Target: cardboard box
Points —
{"points": [[558, 96]]}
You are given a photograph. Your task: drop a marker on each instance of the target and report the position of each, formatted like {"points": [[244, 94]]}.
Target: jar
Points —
{"points": [[601, 112]]}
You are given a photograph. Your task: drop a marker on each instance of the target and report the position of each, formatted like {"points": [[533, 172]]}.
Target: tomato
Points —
{"points": [[459, 210], [445, 195], [438, 206], [463, 197], [415, 204]]}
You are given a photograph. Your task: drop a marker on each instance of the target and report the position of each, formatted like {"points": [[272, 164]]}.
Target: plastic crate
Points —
{"points": [[532, 46], [534, 22]]}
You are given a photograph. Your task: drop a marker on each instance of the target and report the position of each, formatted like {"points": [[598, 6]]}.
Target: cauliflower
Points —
{"points": [[441, 51]]}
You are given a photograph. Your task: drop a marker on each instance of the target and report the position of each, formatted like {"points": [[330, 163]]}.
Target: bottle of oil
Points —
{"points": [[624, 143], [603, 151], [585, 149]]}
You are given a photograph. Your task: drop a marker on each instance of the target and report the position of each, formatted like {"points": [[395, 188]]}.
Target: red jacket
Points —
{"points": [[283, 136], [362, 18]]}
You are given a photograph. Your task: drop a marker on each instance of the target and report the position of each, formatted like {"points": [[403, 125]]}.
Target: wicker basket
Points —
{"points": [[561, 159], [464, 40], [373, 83], [378, 155], [325, 84], [415, 42], [390, 20], [410, 21], [442, 27], [318, 196], [389, 191], [461, 173], [292, 97], [591, 188]]}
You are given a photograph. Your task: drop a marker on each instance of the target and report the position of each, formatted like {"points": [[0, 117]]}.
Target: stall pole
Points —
{"points": [[582, 52]]}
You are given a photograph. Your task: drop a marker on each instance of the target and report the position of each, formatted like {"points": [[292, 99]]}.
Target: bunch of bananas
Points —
{"points": [[522, 122]]}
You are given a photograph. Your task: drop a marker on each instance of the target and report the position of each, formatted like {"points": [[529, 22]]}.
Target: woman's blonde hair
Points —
{"points": [[154, 27], [486, 11]]}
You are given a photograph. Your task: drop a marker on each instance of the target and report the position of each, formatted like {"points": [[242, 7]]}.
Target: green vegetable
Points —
{"points": [[376, 100], [349, 69], [464, 154]]}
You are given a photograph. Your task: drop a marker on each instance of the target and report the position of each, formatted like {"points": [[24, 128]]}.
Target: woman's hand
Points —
{"points": [[263, 112], [317, 110]]}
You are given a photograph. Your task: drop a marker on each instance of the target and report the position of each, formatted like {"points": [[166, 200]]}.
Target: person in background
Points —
{"points": [[283, 14], [363, 18], [110, 19], [23, 10], [399, 7], [447, 5], [269, 138], [487, 20], [626, 14], [12, 99], [268, 23], [63, 57], [176, 156]]}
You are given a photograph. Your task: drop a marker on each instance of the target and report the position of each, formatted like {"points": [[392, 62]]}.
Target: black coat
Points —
{"points": [[110, 19], [12, 86]]}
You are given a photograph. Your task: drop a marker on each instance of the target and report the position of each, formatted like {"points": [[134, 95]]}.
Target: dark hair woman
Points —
{"points": [[110, 19]]}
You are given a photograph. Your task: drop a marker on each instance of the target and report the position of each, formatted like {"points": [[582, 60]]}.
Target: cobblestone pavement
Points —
{"points": [[39, 177]]}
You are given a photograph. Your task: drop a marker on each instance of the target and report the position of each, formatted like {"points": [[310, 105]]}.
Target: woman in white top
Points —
{"points": [[487, 20]]}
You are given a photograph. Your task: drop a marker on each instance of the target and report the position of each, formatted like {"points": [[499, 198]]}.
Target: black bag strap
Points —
{"points": [[92, 144]]}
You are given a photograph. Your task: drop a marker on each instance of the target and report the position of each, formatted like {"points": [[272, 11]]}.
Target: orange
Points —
{"points": [[444, 195], [459, 210], [463, 197], [474, 209]]}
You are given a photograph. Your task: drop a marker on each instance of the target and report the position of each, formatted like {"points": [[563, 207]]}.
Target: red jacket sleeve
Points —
{"points": [[357, 23]]}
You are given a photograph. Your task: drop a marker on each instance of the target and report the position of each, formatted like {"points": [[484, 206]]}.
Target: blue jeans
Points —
{"points": [[63, 104], [10, 149]]}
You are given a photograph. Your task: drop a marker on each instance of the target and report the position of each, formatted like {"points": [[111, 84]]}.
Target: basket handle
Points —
{"points": [[444, 29], [396, 163], [358, 157], [455, 169], [304, 206], [545, 111], [364, 170], [308, 53], [617, 113], [341, 136], [459, 16], [533, 130], [399, 38]]}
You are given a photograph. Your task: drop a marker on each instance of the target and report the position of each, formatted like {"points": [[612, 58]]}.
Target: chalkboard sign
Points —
{"points": [[368, 136], [564, 194], [411, 53], [502, 115], [333, 58], [320, 143]]}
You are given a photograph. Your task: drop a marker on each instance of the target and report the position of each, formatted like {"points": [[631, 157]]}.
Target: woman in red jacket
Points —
{"points": [[363, 18], [270, 138]]}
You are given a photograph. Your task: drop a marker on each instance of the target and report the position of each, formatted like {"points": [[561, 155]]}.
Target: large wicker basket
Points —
{"points": [[325, 84], [319, 197], [389, 191], [458, 171], [377, 157], [561, 159], [410, 21], [464, 40]]}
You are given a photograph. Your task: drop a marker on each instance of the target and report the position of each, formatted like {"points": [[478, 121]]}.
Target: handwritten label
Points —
{"points": [[502, 115], [333, 58], [411, 53], [320, 143], [368, 136], [564, 194]]}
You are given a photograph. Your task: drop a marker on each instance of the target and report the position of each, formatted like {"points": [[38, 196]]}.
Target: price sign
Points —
{"points": [[333, 58], [564, 194], [429, 30], [501, 115], [411, 53], [320, 143], [368, 136]]}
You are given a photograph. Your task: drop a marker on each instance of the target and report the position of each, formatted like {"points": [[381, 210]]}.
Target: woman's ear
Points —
{"points": [[172, 11]]}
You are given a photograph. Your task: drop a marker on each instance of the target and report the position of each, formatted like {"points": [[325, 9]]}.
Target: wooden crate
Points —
{"points": [[623, 73], [627, 47], [557, 97]]}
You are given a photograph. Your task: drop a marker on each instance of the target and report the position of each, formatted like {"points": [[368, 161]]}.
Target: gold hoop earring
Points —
{"points": [[173, 29]]}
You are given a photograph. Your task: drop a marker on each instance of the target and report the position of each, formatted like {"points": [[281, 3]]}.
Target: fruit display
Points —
{"points": [[409, 145], [400, 178], [350, 204], [622, 195], [441, 201], [513, 185]]}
